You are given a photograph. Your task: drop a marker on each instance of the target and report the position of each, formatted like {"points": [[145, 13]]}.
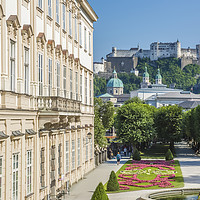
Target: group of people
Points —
{"points": [[116, 152]]}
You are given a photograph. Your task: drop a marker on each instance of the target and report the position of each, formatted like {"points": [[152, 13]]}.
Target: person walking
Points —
{"points": [[118, 158]]}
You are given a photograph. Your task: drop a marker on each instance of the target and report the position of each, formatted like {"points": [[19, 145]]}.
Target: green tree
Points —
{"points": [[104, 119], [99, 193], [136, 155], [169, 155], [99, 85], [135, 123], [167, 122], [99, 130], [107, 114], [134, 100], [113, 184]]}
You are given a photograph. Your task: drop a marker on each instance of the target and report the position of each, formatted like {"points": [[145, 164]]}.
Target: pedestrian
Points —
{"points": [[118, 158], [125, 150]]}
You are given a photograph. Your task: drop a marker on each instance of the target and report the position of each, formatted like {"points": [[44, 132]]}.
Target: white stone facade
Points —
{"points": [[46, 96]]}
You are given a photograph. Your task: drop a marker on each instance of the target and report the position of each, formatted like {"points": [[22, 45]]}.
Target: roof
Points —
{"points": [[3, 135], [146, 74], [124, 53], [106, 95], [158, 89], [183, 95], [158, 76], [189, 104], [115, 83]]}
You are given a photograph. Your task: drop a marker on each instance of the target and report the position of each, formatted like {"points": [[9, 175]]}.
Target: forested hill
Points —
{"points": [[170, 69]]}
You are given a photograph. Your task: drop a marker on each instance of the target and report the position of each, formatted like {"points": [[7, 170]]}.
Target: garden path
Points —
{"points": [[84, 189]]}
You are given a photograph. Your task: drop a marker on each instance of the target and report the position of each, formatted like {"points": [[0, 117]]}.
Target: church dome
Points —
{"points": [[146, 74], [158, 76], [115, 82]]}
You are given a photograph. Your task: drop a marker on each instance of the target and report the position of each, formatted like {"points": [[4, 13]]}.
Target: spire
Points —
{"points": [[114, 73], [158, 77]]}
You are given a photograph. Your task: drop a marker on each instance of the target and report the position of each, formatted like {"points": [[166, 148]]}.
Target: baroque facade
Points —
{"points": [[46, 96]]}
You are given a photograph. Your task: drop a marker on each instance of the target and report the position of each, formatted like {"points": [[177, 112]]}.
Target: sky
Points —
{"points": [[126, 23]]}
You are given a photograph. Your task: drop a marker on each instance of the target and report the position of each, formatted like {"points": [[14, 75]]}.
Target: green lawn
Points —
{"points": [[178, 183], [157, 151]]}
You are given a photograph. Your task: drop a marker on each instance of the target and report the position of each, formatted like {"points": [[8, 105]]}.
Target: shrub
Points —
{"points": [[113, 184], [136, 155], [169, 155], [99, 193]]}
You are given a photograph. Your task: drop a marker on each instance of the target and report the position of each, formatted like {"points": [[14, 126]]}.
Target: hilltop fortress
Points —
{"points": [[127, 60]]}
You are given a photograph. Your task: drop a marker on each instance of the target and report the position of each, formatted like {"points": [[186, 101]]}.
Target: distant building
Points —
{"points": [[148, 91], [115, 92], [127, 60]]}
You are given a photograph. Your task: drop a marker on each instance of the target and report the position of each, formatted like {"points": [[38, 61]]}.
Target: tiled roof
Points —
{"points": [[106, 95], [189, 104]]}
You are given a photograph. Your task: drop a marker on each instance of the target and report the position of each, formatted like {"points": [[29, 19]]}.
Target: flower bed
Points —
{"points": [[147, 174]]}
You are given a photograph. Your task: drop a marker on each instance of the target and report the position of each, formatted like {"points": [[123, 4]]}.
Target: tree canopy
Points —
{"points": [[135, 122], [167, 121], [104, 119]]}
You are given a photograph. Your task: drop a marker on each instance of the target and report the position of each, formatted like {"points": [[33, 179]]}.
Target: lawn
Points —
{"points": [[157, 151], [154, 174]]}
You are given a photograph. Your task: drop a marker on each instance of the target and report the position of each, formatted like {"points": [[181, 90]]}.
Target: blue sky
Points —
{"points": [[125, 23]]}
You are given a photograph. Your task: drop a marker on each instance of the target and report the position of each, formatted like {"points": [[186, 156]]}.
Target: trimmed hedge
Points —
{"points": [[169, 155], [113, 184], [136, 155], [99, 193]]}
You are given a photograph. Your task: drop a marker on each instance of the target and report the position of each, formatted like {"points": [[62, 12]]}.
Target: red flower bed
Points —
{"points": [[163, 181]]}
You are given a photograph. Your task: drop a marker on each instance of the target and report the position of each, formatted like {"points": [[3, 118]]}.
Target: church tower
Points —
{"points": [[145, 83], [158, 77], [146, 76]]}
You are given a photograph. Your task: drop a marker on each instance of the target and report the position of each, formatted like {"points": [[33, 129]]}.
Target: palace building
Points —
{"points": [[46, 96]]}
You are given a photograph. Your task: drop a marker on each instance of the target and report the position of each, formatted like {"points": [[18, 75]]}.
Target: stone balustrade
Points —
{"points": [[58, 104]]}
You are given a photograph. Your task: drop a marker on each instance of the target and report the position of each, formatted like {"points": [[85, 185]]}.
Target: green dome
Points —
{"points": [[115, 83], [146, 74], [158, 76]]}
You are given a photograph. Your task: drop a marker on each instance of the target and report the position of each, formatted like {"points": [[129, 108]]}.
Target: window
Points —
{"points": [[65, 81], [15, 164], [79, 151], [86, 150], [29, 172], [90, 92], [64, 24], [71, 84], [76, 85], [73, 154], [40, 64], [80, 34], [49, 8], [89, 42], [42, 168], [70, 22], [57, 11], [75, 24], [67, 156], [12, 66], [85, 38], [1, 166], [40, 4], [58, 79], [81, 86], [59, 159], [91, 149], [50, 77], [85, 90], [26, 71]]}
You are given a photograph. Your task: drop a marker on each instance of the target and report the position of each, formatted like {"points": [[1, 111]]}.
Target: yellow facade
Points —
{"points": [[46, 96]]}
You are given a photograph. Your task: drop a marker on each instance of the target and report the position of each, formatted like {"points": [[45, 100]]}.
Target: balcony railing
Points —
{"points": [[58, 104]]}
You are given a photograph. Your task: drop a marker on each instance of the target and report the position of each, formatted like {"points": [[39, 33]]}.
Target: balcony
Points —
{"points": [[58, 104]]}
